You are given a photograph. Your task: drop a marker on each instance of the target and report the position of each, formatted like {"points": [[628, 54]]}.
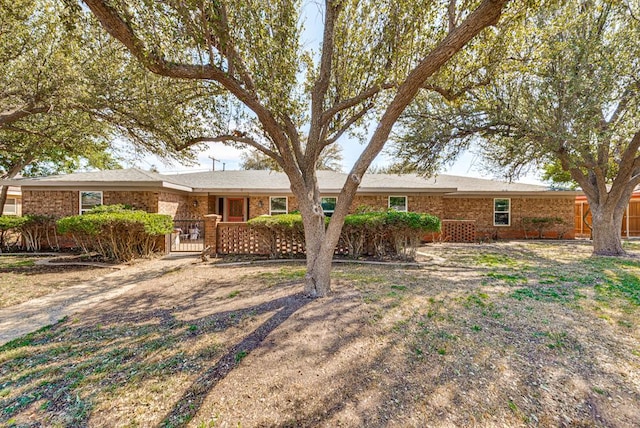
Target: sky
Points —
{"points": [[229, 158]]}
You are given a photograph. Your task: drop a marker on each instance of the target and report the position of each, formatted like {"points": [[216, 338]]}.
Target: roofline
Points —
{"points": [[36, 185], [544, 193], [360, 191]]}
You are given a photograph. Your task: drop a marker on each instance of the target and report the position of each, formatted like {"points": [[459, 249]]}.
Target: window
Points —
{"points": [[398, 203], [328, 205], [502, 212], [277, 205], [89, 200], [10, 207]]}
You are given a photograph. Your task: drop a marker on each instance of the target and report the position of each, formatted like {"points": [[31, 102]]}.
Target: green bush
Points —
{"points": [[10, 226], [278, 229], [386, 233], [117, 233], [540, 224], [381, 234]]}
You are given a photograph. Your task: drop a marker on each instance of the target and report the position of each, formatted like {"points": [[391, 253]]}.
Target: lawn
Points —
{"points": [[21, 279], [505, 334]]}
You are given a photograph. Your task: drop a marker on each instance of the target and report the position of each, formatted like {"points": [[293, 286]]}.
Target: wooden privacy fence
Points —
{"points": [[239, 238]]}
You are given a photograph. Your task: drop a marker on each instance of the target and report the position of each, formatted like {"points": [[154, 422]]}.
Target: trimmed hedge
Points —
{"points": [[35, 230], [381, 234], [277, 229], [387, 233], [9, 224], [116, 232]]}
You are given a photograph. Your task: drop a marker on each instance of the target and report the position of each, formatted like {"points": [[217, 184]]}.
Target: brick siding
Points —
{"points": [[481, 210]]}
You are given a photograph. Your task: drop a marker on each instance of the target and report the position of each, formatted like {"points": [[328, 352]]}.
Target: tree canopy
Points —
{"points": [[564, 95], [69, 91], [295, 101]]}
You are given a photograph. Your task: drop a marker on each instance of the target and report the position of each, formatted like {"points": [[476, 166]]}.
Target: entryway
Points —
{"points": [[187, 235]]}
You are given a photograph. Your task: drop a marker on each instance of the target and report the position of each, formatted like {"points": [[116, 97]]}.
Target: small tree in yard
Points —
{"points": [[564, 95], [374, 58]]}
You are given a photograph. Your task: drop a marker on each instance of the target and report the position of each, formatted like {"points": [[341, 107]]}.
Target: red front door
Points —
{"points": [[235, 209]]}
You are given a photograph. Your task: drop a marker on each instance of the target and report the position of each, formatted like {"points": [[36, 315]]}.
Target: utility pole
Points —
{"points": [[213, 163]]}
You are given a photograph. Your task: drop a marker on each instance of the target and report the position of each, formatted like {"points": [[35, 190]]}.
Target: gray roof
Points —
{"points": [[331, 182], [263, 182], [112, 178]]}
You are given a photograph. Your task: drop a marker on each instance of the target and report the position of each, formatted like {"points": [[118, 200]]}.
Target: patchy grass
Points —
{"points": [[436, 346], [21, 279]]}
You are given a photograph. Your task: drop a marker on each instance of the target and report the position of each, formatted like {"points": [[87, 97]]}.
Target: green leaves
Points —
{"points": [[117, 232]]}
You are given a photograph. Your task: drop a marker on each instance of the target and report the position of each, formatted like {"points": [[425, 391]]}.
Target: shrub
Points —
{"points": [[382, 234], [387, 233], [117, 233], [38, 231], [9, 225], [540, 224], [278, 229]]}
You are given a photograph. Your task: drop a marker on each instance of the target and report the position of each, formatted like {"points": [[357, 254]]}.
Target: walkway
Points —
{"points": [[16, 321]]}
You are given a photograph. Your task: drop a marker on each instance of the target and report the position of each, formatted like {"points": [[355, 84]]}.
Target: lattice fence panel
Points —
{"points": [[238, 238], [459, 230]]}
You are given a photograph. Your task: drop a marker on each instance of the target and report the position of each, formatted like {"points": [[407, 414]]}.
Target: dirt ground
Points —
{"points": [[505, 334], [21, 279]]}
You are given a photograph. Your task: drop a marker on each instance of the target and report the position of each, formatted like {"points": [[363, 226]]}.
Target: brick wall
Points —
{"points": [[181, 206], [57, 203], [481, 210], [145, 201]]}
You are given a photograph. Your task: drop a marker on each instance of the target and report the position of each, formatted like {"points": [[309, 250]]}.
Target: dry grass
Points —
{"points": [[22, 280], [510, 334]]}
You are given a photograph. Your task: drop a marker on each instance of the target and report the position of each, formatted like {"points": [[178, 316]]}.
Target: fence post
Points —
{"points": [[211, 231]]}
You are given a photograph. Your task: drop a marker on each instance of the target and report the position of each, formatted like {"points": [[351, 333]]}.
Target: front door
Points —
{"points": [[235, 209]]}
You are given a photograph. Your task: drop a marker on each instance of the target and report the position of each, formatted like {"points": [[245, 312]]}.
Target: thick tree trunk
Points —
{"points": [[606, 226]]}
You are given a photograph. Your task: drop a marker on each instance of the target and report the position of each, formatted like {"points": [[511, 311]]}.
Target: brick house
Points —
{"points": [[491, 209]]}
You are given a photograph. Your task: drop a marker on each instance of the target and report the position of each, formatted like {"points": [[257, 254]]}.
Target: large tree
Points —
{"points": [[373, 60], [565, 95], [68, 91]]}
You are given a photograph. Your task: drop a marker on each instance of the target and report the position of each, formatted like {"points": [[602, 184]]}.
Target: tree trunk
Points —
{"points": [[3, 197], [606, 226]]}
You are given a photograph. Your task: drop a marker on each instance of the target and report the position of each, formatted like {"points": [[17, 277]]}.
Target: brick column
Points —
{"points": [[211, 231]]}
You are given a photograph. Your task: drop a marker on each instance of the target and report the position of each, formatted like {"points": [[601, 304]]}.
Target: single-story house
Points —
{"points": [[13, 204], [471, 208]]}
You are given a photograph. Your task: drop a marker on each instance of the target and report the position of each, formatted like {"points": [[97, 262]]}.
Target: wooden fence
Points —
{"points": [[239, 238]]}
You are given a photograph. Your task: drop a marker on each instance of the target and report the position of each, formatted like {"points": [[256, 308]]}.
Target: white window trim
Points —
{"points": [[89, 191], [14, 205], [286, 204], [406, 202], [508, 212], [328, 197]]}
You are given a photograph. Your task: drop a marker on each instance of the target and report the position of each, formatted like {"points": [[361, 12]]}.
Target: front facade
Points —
{"points": [[495, 209]]}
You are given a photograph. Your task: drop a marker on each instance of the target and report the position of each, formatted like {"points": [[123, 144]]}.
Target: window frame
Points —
{"points": [[277, 212], [14, 205], [329, 213], [81, 192], [406, 203], [508, 212]]}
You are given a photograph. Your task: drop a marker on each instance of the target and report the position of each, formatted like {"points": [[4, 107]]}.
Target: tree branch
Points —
{"points": [[237, 139], [18, 113], [351, 102], [346, 126], [155, 62]]}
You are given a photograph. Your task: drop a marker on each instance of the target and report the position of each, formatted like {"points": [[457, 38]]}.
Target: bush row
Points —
{"points": [[117, 232], [380, 234]]}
